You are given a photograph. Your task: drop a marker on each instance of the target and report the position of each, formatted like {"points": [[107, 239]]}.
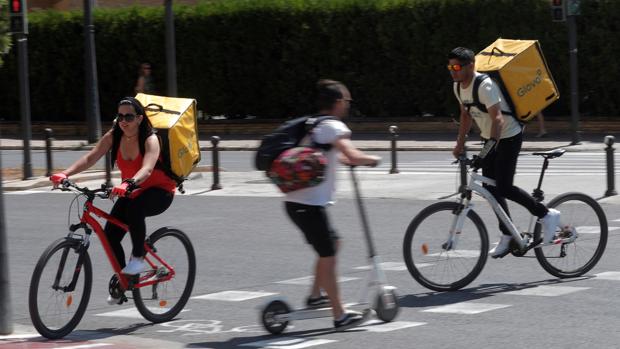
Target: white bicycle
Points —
{"points": [[446, 244]]}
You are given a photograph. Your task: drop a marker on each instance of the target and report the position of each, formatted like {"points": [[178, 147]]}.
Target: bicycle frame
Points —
{"points": [[476, 185], [87, 220]]}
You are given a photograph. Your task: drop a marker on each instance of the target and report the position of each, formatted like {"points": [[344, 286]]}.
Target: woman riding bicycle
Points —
{"points": [[135, 149]]}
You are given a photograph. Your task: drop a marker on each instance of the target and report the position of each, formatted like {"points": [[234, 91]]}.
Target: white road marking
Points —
{"points": [[392, 266], [457, 253], [546, 291], [589, 229], [288, 343], [234, 296], [466, 308], [380, 326], [308, 280], [84, 346], [609, 275], [131, 313], [20, 336]]}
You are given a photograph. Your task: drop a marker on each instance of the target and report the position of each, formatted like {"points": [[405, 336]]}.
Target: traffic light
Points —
{"points": [[558, 10], [17, 13]]}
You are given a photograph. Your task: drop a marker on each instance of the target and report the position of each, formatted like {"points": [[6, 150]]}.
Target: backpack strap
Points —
{"points": [[475, 94], [312, 122]]}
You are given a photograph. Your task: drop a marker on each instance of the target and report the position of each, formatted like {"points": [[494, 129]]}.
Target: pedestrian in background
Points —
{"points": [[145, 83], [542, 131]]}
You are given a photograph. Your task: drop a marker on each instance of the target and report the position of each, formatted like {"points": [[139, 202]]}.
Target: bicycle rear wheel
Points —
{"points": [[163, 300], [583, 215], [434, 264], [60, 288]]}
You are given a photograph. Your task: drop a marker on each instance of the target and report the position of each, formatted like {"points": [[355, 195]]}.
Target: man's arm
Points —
{"points": [[352, 155], [495, 113], [465, 122]]}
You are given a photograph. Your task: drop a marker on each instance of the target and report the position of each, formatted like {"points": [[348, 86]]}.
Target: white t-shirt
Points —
{"points": [[489, 94], [326, 132]]}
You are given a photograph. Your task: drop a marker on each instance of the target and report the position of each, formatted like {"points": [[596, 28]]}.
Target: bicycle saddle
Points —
{"points": [[550, 154]]}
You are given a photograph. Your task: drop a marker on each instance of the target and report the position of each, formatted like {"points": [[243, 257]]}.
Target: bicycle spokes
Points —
{"points": [[581, 239]]}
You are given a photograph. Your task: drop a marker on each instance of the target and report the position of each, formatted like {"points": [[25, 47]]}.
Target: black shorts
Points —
{"points": [[313, 222]]}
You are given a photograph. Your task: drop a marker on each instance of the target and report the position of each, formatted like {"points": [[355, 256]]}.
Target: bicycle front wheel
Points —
{"points": [[583, 216], [163, 300], [60, 288], [442, 261]]}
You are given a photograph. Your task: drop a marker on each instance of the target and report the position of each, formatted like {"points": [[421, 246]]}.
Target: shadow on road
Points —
{"points": [[431, 299], [289, 337]]}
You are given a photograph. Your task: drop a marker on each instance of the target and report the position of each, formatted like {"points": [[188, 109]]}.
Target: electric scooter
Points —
{"points": [[277, 314]]}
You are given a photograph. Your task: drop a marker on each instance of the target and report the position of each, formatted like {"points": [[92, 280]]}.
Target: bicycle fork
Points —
{"points": [[460, 214], [83, 247]]}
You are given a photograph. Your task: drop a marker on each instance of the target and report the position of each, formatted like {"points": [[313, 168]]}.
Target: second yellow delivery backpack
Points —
{"points": [[520, 69]]}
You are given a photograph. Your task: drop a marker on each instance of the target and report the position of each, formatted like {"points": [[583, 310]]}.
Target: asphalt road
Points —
{"points": [[246, 244]]}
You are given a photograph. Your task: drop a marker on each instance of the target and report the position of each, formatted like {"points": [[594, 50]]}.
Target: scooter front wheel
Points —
{"points": [[386, 305], [269, 314]]}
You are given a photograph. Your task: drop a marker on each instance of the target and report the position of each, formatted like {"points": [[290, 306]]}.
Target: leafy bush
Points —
{"points": [[262, 57]]}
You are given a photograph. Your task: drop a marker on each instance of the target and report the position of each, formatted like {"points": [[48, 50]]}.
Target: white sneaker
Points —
{"points": [[113, 301], [550, 224], [135, 266], [502, 246]]}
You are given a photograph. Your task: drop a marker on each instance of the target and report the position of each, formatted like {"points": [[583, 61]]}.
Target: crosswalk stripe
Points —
{"points": [[546, 291], [308, 280], [288, 343], [467, 308], [234, 296], [609, 275], [380, 326]]}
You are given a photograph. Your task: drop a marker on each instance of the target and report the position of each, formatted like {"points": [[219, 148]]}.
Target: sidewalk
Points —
{"points": [[369, 142], [376, 142]]}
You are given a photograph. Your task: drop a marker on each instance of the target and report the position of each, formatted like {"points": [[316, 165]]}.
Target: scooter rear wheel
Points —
{"points": [[386, 305], [271, 324]]}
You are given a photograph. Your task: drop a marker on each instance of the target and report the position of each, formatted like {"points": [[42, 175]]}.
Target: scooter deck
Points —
{"points": [[316, 313]]}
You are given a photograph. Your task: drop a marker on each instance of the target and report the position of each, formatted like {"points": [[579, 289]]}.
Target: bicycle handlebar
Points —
{"points": [[102, 193], [67, 185]]}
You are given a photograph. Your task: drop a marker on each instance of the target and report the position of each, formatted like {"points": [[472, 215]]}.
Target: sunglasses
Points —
{"points": [[456, 67], [129, 117]]}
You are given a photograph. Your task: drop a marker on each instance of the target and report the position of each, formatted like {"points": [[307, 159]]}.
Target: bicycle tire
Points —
{"points": [[571, 205], [41, 325], [168, 313], [421, 272]]}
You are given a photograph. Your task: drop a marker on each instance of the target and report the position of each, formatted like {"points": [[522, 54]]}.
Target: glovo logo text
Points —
{"points": [[525, 89]]}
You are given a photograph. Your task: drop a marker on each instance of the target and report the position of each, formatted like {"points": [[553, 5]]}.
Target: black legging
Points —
{"points": [[133, 212], [502, 164]]}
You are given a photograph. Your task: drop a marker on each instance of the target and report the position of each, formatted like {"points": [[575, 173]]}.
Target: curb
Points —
{"points": [[43, 181]]}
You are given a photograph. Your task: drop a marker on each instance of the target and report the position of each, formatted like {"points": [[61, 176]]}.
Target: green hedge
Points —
{"points": [[262, 57], [5, 39]]}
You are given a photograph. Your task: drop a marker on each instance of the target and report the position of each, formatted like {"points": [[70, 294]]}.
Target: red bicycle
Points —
{"points": [[62, 279]]}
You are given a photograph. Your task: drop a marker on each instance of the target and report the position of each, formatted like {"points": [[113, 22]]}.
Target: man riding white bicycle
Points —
{"points": [[502, 136]]}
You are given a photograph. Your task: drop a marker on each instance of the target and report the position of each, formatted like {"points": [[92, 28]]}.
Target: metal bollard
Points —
{"points": [[611, 176], [215, 167], [394, 132], [49, 137]]}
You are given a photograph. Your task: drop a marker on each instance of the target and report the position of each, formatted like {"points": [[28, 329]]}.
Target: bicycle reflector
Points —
{"points": [[425, 248]]}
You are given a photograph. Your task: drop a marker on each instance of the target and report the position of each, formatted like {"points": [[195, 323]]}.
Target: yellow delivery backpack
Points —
{"points": [[520, 69], [175, 122]]}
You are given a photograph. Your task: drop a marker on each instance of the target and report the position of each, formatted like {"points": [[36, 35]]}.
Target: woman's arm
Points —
{"points": [[88, 160], [151, 155]]}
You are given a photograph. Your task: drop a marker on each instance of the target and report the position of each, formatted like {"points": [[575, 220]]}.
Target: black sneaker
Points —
{"points": [[318, 302], [351, 319]]}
